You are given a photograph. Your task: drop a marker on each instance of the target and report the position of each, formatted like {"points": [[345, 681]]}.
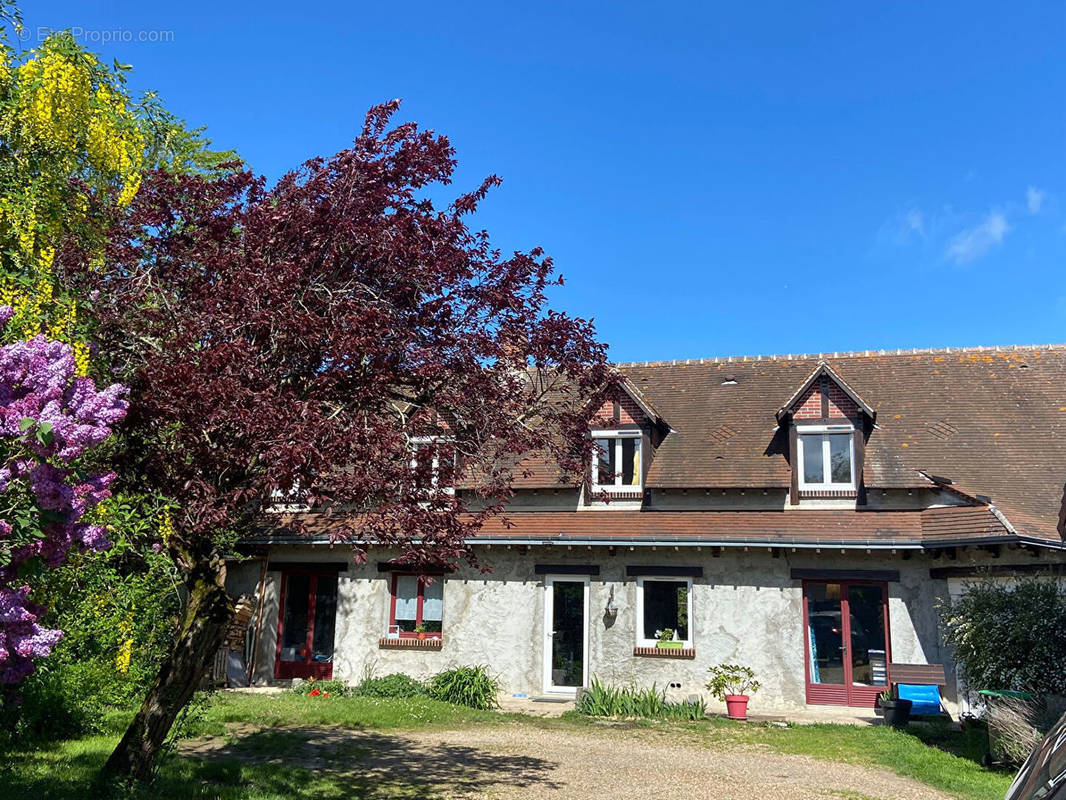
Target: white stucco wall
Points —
{"points": [[746, 609]]}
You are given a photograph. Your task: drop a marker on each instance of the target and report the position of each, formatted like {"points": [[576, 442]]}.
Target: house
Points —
{"points": [[801, 515]]}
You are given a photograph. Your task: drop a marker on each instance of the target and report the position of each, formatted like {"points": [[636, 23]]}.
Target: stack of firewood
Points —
{"points": [[238, 626]]}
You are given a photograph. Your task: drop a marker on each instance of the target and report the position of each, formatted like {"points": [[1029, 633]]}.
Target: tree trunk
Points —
{"points": [[203, 628]]}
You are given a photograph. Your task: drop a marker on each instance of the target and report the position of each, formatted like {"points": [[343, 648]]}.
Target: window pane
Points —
{"points": [[631, 462], [433, 605], [325, 616], [868, 646], [665, 606], [294, 623], [813, 471], [406, 601], [605, 462], [825, 633], [840, 457]]}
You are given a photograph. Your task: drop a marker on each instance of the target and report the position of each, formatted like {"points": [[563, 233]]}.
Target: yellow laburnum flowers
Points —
{"points": [[125, 648], [73, 147], [166, 527], [65, 118]]}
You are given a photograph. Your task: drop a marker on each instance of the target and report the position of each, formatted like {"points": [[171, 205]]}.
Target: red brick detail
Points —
{"points": [[840, 405], [829, 493], [630, 413], [598, 494], [410, 644], [810, 405], [655, 652]]}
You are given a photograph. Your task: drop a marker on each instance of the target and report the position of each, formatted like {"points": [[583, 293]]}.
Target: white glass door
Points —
{"points": [[566, 631]]}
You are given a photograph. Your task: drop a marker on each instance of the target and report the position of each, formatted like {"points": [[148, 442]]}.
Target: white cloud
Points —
{"points": [[1034, 199], [912, 222], [972, 243], [903, 228]]}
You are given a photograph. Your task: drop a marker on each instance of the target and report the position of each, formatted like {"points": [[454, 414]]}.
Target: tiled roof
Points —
{"points": [[993, 419], [938, 526], [990, 420], [934, 527]]}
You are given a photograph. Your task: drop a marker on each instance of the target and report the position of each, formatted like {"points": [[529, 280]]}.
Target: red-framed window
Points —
{"points": [[306, 624], [417, 605]]}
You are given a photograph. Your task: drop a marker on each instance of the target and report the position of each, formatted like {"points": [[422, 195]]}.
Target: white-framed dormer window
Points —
{"points": [[616, 461], [290, 502], [826, 457], [428, 448], [664, 603]]}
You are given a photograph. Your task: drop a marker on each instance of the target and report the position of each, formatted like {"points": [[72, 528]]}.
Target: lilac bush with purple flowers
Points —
{"points": [[49, 420]]}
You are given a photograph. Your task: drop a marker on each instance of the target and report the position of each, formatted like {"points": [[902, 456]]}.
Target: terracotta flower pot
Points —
{"points": [[736, 706], [421, 637]]}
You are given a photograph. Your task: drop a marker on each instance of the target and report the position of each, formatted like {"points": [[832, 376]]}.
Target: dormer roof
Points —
{"points": [[823, 370]]}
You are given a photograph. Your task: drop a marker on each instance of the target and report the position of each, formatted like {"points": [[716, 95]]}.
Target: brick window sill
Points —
{"points": [[828, 494], [656, 652], [411, 644]]}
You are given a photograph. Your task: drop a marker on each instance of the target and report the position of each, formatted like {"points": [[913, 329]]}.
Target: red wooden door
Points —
{"points": [[307, 610], [846, 642]]}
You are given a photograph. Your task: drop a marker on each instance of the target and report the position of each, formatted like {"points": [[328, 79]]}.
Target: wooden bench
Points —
{"points": [[923, 674]]}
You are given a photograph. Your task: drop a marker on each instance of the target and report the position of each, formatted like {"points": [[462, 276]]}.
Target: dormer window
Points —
{"points": [[616, 462], [426, 455], [826, 457]]}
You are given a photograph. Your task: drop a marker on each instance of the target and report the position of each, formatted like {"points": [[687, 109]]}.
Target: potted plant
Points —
{"points": [[896, 711], [732, 683], [420, 632], [666, 640]]}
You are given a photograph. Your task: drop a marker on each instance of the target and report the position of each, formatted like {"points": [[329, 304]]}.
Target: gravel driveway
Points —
{"points": [[530, 761]]}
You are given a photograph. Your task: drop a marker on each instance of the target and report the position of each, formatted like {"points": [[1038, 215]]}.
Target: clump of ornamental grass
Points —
{"points": [[603, 700], [466, 686]]}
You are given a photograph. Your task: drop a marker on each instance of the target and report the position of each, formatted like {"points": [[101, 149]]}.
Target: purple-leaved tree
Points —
{"points": [[49, 421]]}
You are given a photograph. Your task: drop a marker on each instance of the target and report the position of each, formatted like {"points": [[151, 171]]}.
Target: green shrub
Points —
{"points": [[465, 686], [395, 685], [604, 700], [1009, 636], [117, 610]]}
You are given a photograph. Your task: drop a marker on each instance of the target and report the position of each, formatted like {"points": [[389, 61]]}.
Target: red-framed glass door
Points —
{"points": [[307, 615], [846, 641]]}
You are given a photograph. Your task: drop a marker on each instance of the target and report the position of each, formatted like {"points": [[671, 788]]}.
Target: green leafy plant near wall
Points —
{"points": [[396, 684], [603, 700], [466, 686]]}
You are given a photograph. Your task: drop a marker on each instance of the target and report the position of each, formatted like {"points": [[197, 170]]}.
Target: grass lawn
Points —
{"points": [[266, 759]]}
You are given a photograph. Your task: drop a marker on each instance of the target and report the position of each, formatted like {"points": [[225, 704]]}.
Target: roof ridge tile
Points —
{"points": [[915, 351]]}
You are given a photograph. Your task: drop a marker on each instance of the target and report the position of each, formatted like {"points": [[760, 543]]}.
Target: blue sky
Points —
{"points": [[711, 179]]}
